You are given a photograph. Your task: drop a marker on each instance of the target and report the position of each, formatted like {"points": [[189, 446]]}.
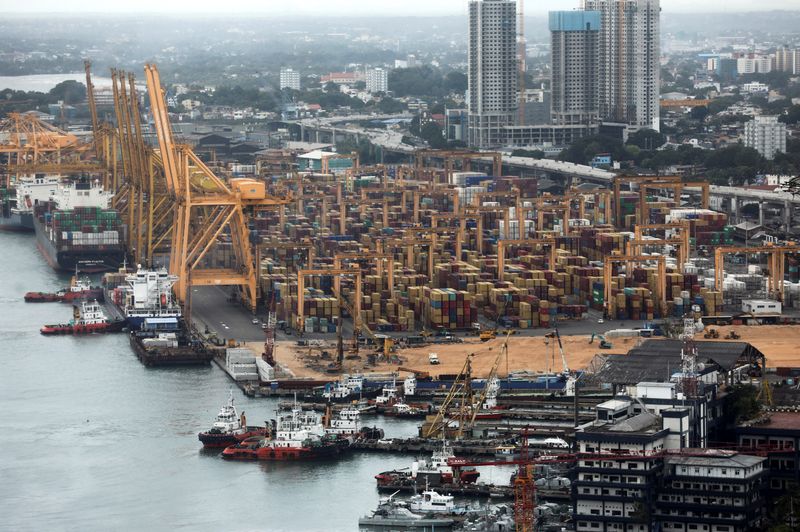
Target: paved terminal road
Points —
{"points": [[211, 309]]}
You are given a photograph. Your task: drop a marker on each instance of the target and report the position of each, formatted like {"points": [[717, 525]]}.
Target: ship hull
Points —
{"points": [[67, 297], [285, 454], [114, 326], [221, 441], [17, 222], [87, 259]]}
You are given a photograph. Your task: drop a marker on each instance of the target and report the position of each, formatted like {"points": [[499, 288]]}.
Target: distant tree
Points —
{"points": [[720, 104], [455, 81], [583, 150], [741, 403], [69, 91], [331, 87], [699, 113], [417, 81], [792, 116], [390, 105], [786, 512], [647, 139], [360, 85], [432, 133], [536, 154], [437, 109]]}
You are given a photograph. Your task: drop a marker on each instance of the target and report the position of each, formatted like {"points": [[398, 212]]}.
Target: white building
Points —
{"points": [[492, 70], [290, 79], [377, 80], [755, 87], [765, 134], [754, 64], [629, 54]]}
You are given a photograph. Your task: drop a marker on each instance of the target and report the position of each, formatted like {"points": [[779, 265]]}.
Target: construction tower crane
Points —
{"points": [[460, 394], [269, 331], [489, 379]]}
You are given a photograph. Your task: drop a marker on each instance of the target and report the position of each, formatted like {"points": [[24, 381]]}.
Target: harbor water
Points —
{"points": [[92, 440]]}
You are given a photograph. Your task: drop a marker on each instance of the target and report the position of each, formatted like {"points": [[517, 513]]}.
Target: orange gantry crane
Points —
{"points": [[204, 208], [28, 145], [466, 158], [681, 241], [775, 265]]}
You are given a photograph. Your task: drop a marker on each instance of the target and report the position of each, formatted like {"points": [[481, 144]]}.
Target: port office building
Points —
{"points": [[635, 473]]}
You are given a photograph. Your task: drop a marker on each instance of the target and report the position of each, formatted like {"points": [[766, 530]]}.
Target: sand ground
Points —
{"points": [[780, 343]]}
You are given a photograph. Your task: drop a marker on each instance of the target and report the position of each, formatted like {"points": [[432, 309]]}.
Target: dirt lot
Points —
{"points": [[780, 343], [531, 353]]}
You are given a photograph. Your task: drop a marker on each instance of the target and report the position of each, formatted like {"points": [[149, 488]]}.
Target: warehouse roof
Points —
{"points": [[658, 360], [729, 459]]}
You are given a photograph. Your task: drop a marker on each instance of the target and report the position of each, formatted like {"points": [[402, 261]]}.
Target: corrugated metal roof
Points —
{"points": [[637, 423], [658, 360]]}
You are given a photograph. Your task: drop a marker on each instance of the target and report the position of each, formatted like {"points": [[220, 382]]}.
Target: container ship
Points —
{"points": [[17, 204], [77, 230], [141, 296]]}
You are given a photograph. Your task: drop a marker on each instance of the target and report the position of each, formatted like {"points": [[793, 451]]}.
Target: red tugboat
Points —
{"points": [[230, 428], [298, 435], [78, 289], [89, 318]]}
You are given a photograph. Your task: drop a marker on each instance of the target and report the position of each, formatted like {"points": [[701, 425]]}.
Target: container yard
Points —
{"points": [[447, 289]]}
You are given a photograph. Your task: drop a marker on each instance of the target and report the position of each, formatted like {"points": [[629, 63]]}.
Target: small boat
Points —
{"points": [[404, 410], [77, 290], [434, 471], [229, 428], [430, 501], [395, 516], [88, 318], [506, 452], [371, 433]]}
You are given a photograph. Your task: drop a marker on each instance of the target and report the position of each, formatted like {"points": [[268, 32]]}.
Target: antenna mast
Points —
{"points": [[689, 359]]}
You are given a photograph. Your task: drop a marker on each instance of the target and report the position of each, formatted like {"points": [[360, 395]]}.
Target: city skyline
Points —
{"points": [[359, 7]]}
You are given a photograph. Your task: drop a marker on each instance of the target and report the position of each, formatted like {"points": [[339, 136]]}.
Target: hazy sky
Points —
{"points": [[352, 7]]}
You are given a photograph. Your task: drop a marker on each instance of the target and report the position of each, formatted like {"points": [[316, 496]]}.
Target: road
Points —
{"points": [[211, 310]]}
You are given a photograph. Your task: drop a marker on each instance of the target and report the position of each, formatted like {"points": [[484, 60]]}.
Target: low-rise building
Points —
{"points": [[716, 491], [779, 433]]}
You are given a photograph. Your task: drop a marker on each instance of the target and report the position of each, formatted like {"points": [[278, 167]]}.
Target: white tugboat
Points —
{"points": [[347, 424], [388, 395], [229, 428]]}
